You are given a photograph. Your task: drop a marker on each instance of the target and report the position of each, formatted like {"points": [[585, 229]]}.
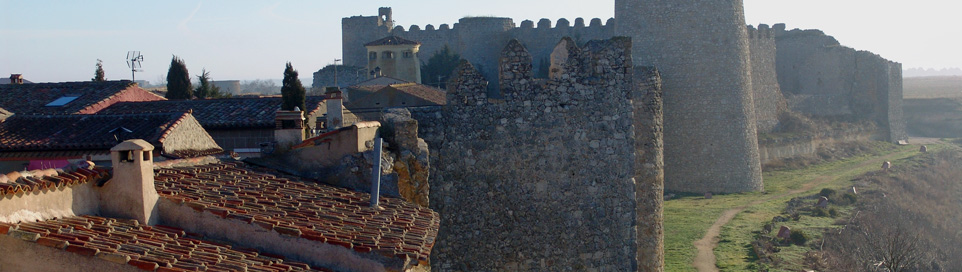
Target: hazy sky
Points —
{"points": [[52, 41]]}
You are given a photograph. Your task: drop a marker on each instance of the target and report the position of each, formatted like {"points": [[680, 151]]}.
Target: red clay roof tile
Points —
{"points": [[295, 207]]}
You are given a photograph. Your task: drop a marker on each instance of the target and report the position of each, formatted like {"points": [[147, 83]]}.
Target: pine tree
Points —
{"points": [[292, 92], [440, 65], [207, 89], [99, 74], [178, 80]]}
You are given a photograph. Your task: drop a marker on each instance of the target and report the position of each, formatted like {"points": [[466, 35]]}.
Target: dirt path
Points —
{"points": [[705, 258]]}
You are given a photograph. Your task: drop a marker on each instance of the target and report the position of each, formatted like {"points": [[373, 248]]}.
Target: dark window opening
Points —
{"points": [[408, 54], [126, 156], [387, 55], [373, 55]]}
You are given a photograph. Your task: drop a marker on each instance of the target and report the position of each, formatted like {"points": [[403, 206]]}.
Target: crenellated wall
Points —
{"points": [[477, 39], [573, 164], [767, 95], [820, 77]]}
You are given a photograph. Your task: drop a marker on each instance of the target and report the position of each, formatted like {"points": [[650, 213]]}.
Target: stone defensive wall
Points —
{"points": [[552, 174], [477, 39], [767, 94], [711, 143], [820, 77]]}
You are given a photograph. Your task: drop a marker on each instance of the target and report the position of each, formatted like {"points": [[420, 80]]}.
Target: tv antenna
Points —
{"points": [[133, 61]]}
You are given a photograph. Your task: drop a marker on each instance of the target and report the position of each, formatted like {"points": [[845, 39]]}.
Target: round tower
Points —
{"points": [[701, 48]]}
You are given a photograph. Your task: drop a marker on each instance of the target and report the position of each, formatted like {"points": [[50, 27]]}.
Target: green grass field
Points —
{"points": [[687, 218]]}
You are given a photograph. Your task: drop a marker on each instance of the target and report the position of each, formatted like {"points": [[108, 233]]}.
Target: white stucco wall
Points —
{"points": [[46, 204]]}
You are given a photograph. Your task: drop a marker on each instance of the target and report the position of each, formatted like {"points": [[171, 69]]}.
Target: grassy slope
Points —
{"points": [[687, 218]]}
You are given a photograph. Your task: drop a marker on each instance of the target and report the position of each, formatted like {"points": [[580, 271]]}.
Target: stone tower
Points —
{"points": [[701, 48]]}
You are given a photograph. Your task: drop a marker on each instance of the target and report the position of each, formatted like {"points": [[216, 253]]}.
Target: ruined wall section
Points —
{"points": [[701, 49], [767, 95], [544, 179], [820, 77]]}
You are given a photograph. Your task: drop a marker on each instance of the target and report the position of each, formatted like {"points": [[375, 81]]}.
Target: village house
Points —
{"points": [[201, 215], [70, 97], [239, 125], [53, 141]]}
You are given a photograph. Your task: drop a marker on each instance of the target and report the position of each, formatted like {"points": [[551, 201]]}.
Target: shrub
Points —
{"points": [[833, 212], [799, 237], [850, 198], [827, 193], [820, 212]]}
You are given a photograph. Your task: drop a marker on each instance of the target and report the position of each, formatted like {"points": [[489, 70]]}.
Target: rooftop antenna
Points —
{"points": [[133, 61]]}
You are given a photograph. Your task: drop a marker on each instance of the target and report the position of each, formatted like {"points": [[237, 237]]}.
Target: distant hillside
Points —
{"points": [[932, 87]]}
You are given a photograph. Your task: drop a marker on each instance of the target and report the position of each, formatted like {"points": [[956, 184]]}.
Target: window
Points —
{"points": [[63, 100], [387, 55], [147, 156], [372, 55], [408, 54]]}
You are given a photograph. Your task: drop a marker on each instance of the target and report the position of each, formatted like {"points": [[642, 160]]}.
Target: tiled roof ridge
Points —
{"points": [[26, 184], [172, 125], [392, 40], [129, 87], [406, 231], [167, 119], [150, 248], [120, 81]]}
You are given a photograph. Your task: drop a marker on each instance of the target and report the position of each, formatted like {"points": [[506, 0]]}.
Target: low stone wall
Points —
{"points": [[774, 149]]}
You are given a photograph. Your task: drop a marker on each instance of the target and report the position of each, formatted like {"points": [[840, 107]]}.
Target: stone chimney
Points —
{"points": [[16, 79], [130, 193], [335, 105], [289, 130]]}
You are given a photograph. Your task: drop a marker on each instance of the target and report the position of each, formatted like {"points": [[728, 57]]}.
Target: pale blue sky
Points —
{"points": [[52, 41]]}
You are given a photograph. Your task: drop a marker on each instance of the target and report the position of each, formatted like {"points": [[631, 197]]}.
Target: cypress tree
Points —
{"points": [[99, 74], [178, 80], [207, 89], [440, 65], [292, 92]]}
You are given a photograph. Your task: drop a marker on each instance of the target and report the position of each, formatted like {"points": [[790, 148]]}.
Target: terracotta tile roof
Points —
{"points": [[31, 133], [380, 81], [34, 98], [422, 91], [150, 248], [25, 184], [392, 40], [309, 210], [4, 114], [219, 113]]}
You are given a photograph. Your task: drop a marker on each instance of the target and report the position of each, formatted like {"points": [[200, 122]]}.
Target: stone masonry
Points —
{"points": [[766, 92], [820, 77], [724, 82], [701, 49], [562, 174]]}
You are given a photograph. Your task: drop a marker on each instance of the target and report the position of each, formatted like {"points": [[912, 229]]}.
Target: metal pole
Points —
{"points": [[335, 73], [376, 175]]}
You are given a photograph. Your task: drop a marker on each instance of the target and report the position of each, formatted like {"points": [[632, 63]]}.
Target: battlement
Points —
{"points": [[762, 32], [498, 24], [599, 63]]}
